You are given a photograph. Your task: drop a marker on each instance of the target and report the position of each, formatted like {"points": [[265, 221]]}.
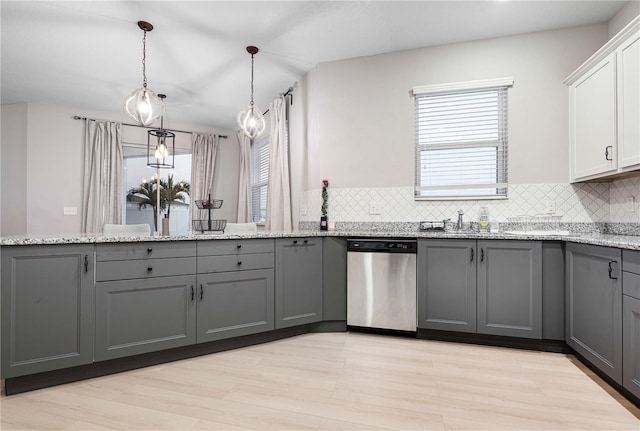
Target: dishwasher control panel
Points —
{"points": [[382, 246]]}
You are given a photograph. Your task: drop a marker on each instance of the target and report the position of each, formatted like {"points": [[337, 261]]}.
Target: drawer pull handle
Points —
{"points": [[86, 263], [149, 250], [295, 241], [239, 262], [481, 255], [193, 293], [611, 271], [239, 246], [606, 152], [306, 241], [149, 268], [201, 292], [472, 253]]}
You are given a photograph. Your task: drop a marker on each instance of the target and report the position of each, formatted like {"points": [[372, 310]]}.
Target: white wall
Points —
{"points": [[624, 17], [360, 125], [43, 148], [13, 168]]}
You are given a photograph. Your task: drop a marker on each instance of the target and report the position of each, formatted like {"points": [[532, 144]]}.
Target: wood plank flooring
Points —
{"points": [[336, 381]]}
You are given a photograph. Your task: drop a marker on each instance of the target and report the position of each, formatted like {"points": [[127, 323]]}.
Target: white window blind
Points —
{"points": [[259, 177], [461, 141]]}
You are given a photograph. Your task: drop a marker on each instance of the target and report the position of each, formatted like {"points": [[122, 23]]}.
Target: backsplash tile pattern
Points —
{"points": [[618, 194], [588, 202]]}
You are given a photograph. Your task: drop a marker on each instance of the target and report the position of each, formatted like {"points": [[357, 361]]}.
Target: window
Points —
{"points": [[259, 177], [461, 140], [140, 207]]}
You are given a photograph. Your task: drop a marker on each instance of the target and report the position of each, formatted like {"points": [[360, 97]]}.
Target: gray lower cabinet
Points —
{"points": [[447, 285], [594, 306], [231, 304], [142, 316], [145, 298], [47, 308], [631, 321], [553, 258], [510, 288], [298, 290], [631, 343], [334, 279], [236, 290]]}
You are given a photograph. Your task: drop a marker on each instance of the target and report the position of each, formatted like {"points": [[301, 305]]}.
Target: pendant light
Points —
{"points": [[143, 106], [250, 120], [161, 145]]}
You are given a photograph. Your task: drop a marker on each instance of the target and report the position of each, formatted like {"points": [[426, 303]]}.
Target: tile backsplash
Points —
{"points": [[586, 202]]}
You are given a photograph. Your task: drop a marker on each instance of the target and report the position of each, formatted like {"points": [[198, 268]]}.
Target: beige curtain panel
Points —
{"points": [[102, 191]]}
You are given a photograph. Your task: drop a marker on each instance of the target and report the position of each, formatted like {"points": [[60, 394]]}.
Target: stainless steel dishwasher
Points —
{"points": [[381, 284]]}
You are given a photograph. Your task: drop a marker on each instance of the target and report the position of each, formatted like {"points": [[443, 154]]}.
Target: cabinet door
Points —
{"points": [[141, 316], [510, 288], [593, 121], [628, 70], [298, 281], [594, 306], [47, 308], [232, 304], [447, 285], [631, 343], [334, 278]]}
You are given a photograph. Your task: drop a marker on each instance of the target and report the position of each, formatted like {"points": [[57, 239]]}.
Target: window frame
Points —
{"points": [[423, 95], [262, 143]]}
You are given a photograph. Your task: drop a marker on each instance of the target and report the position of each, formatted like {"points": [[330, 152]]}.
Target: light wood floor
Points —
{"points": [[342, 381]]}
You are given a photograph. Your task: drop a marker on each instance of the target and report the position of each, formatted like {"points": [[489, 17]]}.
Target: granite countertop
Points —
{"points": [[630, 242]]}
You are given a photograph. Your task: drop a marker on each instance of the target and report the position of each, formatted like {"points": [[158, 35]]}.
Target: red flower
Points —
{"points": [[325, 182]]}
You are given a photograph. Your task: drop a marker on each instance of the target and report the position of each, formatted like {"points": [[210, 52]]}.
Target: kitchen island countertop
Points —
{"points": [[630, 242]]}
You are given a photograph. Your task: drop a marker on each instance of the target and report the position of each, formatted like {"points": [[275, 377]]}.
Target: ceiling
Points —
{"points": [[88, 54]]}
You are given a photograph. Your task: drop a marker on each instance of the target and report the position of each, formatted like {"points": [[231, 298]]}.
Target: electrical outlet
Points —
{"points": [[332, 225], [303, 210], [550, 207], [375, 208], [70, 210], [630, 204]]}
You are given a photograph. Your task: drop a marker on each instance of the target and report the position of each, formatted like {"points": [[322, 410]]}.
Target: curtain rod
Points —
{"points": [[77, 117], [289, 92]]}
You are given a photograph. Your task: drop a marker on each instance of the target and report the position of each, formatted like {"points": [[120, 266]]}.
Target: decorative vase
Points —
{"points": [[324, 222], [165, 226]]}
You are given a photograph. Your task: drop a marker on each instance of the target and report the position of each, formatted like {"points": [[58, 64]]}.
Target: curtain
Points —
{"points": [[102, 189], [244, 181], [279, 190], [204, 148]]}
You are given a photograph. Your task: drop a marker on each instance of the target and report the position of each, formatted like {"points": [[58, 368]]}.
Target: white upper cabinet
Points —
{"points": [[628, 66], [605, 110]]}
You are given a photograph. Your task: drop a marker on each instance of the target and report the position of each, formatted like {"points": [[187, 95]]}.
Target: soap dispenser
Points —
{"points": [[483, 220]]}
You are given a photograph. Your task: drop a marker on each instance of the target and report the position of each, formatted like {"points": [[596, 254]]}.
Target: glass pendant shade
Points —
{"points": [[143, 106], [161, 149], [251, 121]]}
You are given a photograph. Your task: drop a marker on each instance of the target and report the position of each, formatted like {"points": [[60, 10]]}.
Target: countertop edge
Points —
{"points": [[608, 240]]}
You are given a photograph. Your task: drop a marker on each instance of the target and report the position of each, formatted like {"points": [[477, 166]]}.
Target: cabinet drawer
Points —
{"points": [[232, 262], [130, 269], [631, 284], [243, 246], [145, 250], [631, 261]]}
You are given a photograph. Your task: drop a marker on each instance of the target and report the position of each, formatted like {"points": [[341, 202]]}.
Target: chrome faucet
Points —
{"points": [[459, 225]]}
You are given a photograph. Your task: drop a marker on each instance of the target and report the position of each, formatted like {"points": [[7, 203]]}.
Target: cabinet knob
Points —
{"points": [[295, 241], [239, 262], [149, 250], [306, 241], [149, 268], [239, 246]]}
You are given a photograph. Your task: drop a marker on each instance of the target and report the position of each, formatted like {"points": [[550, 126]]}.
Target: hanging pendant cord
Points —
{"points": [[144, 59], [251, 79]]}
